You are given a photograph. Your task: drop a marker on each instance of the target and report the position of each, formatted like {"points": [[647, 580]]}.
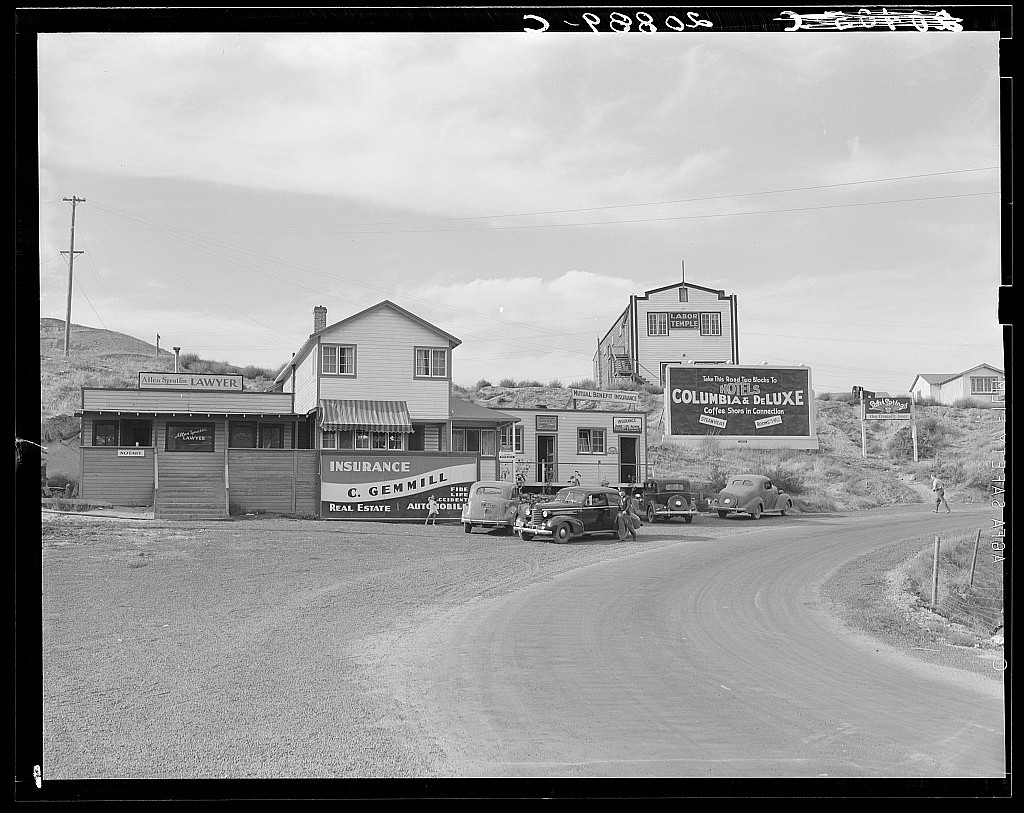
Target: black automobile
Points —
{"points": [[668, 498], [575, 511]]}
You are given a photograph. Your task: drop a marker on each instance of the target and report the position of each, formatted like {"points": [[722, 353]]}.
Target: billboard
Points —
{"points": [[394, 486], [761, 407]]}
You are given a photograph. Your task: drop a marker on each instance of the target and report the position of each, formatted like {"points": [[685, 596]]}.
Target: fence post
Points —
{"points": [[974, 562], [935, 573]]}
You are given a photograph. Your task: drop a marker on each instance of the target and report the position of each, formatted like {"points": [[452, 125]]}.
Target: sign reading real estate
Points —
{"points": [[619, 396], [396, 486], [745, 404], [190, 381], [888, 408]]}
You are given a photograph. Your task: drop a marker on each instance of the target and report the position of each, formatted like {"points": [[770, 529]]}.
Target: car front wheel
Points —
{"points": [[562, 534], [756, 513]]}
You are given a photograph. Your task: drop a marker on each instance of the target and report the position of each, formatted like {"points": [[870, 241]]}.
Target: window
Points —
{"points": [[682, 294], [190, 437], [271, 435], [487, 437], [136, 432], [431, 362], [657, 324], [395, 442], [518, 447], [590, 441], [104, 433], [329, 440], [362, 439], [711, 324], [242, 434], [983, 386], [338, 359], [345, 439], [505, 444], [468, 440]]}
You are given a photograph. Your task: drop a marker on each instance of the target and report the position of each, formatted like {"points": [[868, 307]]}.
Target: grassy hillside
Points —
{"points": [[955, 443]]}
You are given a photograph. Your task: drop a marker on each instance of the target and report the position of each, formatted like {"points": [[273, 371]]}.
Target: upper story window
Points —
{"points": [[682, 294], [431, 362], [982, 385], [711, 324], [338, 359], [657, 324]]}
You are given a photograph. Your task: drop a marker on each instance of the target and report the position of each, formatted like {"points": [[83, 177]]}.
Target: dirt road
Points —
{"points": [[293, 649]]}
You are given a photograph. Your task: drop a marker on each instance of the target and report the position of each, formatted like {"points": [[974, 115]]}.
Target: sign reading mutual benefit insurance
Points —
{"points": [[756, 407]]}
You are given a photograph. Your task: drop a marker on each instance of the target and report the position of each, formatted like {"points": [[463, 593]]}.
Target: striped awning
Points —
{"points": [[375, 416]]}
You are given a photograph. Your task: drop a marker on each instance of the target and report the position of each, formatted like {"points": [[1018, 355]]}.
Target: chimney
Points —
{"points": [[177, 350], [319, 318]]}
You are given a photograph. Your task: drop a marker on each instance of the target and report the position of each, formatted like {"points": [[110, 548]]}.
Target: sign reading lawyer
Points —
{"points": [[190, 381], [394, 486], [739, 401]]}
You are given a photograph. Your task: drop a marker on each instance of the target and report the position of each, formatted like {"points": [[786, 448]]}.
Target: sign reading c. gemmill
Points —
{"points": [[393, 486], [743, 403]]}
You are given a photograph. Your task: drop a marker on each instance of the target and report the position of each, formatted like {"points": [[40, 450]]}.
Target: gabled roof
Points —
{"points": [[387, 303], [682, 284], [945, 378], [465, 411]]}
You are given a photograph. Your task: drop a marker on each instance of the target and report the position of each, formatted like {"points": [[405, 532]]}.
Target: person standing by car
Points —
{"points": [[432, 511], [939, 490], [628, 518], [636, 507]]}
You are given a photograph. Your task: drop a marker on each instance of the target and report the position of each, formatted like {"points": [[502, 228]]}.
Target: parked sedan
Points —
{"points": [[491, 504], [668, 499], [573, 512], [752, 494]]}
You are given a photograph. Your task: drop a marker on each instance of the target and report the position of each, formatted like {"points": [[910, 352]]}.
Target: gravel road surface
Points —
{"points": [[275, 648]]}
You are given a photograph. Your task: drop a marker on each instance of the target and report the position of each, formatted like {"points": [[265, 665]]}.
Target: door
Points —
{"points": [[545, 458], [629, 468]]}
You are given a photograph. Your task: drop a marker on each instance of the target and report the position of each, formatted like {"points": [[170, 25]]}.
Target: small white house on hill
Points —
{"points": [[984, 383]]}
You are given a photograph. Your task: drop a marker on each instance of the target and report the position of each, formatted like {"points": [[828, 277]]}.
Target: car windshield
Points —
{"points": [[568, 495]]}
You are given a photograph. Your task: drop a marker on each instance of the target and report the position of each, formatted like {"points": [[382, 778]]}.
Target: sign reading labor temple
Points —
{"points": [[390, 487], [190, 381], [759, 407]]}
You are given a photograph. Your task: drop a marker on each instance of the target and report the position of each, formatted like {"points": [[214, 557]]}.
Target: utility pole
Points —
{"points": [[71, 267]]}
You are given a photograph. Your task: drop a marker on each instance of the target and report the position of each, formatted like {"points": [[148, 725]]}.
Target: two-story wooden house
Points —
{"points": [[673, 324]]}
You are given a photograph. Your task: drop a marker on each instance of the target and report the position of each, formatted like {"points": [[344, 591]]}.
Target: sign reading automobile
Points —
{"points": [[739, 401]]}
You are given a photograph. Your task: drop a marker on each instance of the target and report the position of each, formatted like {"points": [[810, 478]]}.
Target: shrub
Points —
{"points": [[529, 383], [708, 448], [788, 480], [970, 403], [585, 384], [557, 384], [187, 360], [61, 481], [716, 478], [508, 383], [483, 382], [927, 401], [252, 371]]}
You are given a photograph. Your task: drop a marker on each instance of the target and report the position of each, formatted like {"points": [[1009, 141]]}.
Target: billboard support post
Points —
{"points": [[863, 429]]}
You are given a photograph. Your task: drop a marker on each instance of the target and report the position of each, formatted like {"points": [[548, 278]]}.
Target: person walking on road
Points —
{"points": [[629, 519], [432, 511], [939, 490]]}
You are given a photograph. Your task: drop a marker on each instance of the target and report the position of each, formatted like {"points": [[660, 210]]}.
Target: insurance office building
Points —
{"points": [[361, 424]]}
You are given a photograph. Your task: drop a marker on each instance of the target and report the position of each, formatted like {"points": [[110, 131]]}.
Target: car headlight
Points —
{"points": [[545, 514], [726, 501]]}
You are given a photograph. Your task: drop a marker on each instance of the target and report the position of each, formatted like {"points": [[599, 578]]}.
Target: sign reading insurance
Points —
{"points": [[394, 486], [739, 401]]}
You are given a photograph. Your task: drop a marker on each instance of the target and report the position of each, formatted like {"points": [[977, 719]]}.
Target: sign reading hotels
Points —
{"points": [[190, 381], [761, 407]]}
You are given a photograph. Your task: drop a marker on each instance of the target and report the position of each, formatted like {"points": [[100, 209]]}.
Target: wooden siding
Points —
{"points": [[385, 342], [593, 468], [619, 340], [304, 384], [651, 351], [190, 485], [278, 480], [105, 477], [125, 401]]}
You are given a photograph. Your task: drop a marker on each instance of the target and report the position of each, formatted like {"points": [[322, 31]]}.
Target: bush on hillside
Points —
{"points": [[507, 383], [528, 383], [927, 401], [786, 479], [971, 403], [556, 384], [483, 382], [585, 384]]}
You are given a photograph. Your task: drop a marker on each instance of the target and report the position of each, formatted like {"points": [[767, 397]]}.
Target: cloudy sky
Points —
{"points": [[515, 189]]}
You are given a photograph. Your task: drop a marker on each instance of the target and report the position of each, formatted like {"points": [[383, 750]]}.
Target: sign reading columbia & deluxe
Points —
{"points": [[394, 486], [889, 408], [762, 407]]}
